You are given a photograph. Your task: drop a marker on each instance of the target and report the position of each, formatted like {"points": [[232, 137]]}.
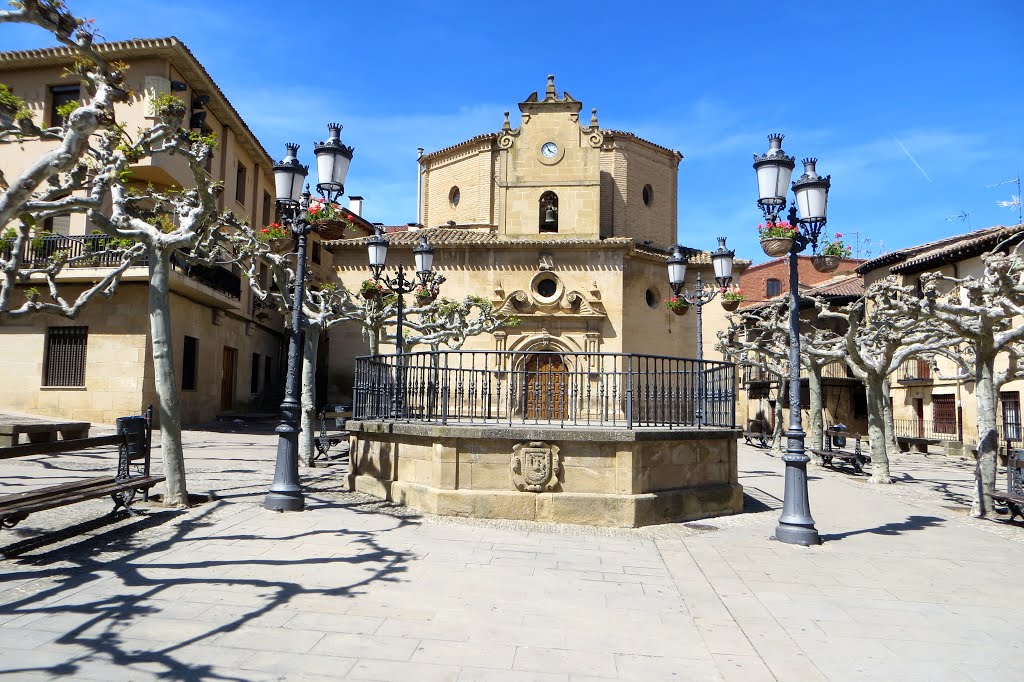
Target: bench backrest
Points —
{"points": [[1015, 472]]}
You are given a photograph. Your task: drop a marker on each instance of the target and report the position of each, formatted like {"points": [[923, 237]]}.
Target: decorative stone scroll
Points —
{"points": [[535, 466]]}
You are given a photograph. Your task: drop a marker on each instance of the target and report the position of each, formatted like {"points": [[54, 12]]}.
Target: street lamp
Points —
{"points": [[332, 160], [721, 260], [774, 170], [423, 256]]}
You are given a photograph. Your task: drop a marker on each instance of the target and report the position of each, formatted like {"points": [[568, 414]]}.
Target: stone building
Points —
{"points": [[558, 221], [929, 405], [843, 396], [767, 280], [228, 349]]}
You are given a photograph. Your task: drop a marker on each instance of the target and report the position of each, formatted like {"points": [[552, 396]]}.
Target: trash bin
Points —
{"points": [[342, 413], [839, 441]]}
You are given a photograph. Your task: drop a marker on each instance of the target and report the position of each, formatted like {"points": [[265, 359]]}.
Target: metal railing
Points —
{"points": [[549, 388], [100, 251], [914, 371], [926, 428]]}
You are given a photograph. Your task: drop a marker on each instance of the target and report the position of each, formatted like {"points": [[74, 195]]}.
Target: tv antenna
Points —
{"points": [[962, 216], [1014, 202]]}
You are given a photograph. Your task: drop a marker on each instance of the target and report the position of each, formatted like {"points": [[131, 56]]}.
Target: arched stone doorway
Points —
{"points": [[544, 387]]}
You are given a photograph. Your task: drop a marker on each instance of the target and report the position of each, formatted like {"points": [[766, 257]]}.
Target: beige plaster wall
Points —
{"points": [[472, 171]]}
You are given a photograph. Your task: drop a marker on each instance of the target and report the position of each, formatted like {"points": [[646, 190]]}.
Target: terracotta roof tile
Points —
{"points": [[958, 247]]}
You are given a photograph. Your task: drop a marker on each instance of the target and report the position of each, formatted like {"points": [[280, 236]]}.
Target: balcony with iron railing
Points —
{"points": [[212, 284], [914, 372], [755, 374], [545, 388]]}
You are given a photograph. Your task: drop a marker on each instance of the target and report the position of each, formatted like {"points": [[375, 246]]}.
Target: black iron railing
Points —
{"points": [[101, 251], [87, 251], [551, 388], [914, 371], [926, 428]]}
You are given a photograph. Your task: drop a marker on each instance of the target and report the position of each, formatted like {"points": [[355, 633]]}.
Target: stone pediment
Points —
{"points": [[569, 304]]}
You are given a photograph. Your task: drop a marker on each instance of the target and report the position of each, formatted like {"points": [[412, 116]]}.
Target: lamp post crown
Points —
{"points": [[333, 142], [289, 175], [332, 162]]}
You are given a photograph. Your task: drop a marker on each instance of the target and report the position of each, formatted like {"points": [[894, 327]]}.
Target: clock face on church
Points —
{"points": [[550, 153]]}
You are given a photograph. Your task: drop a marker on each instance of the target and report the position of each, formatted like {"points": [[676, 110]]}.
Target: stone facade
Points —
{"points": [[605, 477], [224, 319], [594, 280], [928, 403]]}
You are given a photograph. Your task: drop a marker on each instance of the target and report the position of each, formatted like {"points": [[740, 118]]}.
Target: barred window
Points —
{"points": [[64, 364], [189, 364]]}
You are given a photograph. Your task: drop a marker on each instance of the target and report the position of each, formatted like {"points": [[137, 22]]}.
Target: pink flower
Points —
{"points": [[839, 235]]}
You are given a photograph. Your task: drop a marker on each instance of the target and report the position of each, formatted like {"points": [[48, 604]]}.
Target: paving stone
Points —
{"points": [[540, 659], [401, 671], [477, 654]]}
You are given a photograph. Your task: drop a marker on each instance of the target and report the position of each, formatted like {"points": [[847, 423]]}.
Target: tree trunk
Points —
{"points": [[988, 436], [815, 419], [163, 373], [779, 426], [308, 420], [876, 431], [891, 445]]}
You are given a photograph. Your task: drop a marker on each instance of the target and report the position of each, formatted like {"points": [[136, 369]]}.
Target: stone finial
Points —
{"points": [[549, 93], [593, 118], [506, 125]]}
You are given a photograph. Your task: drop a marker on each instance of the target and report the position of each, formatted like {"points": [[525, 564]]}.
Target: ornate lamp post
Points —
{"points": [[721, 260], [332, 160], [774, 170], [423, 255]]}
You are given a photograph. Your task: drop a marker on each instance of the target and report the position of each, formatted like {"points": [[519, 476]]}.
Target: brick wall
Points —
{"points": [[754, 280]]}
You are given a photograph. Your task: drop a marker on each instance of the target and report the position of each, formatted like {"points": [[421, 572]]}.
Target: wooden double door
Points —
{"points": [[544, 387]]}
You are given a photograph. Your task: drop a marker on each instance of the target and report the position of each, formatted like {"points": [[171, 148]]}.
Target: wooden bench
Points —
{"points": [[1013, 498], [133, 446], [919, 444], [757, 430], [39, 430], [856, 458]]}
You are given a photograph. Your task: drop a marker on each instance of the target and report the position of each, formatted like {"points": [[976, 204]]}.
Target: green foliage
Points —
{"points": [[10, 233], [211, 140], [510, 321], [162, 221], [40, 240], [67, 109], [12, 104], [32, 293], [167, 106]]}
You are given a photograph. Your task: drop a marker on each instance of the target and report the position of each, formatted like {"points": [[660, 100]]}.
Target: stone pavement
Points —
{"points": [[905, 587]]}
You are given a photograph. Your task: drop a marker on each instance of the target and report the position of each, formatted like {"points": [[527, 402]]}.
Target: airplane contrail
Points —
{"points": [[912, 159]]}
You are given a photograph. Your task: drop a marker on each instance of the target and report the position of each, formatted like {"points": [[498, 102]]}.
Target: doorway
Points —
{"points": [[545, 387], [227, 378], [919, 413]]}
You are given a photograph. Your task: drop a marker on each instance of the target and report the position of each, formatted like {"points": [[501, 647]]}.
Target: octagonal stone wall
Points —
{"points": [[605, 477]]}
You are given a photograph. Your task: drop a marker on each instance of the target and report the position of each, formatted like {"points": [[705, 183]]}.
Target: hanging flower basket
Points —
{"points": [[425, 299], [281, 247], [776, 246], [731, 305], [370, 289], [682, 310], [825, 263]]}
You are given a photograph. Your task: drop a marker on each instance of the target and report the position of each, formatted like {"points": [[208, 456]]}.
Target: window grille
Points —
{"points": [[773, 287], [944, 413], [1011, 415], [65, 356]]}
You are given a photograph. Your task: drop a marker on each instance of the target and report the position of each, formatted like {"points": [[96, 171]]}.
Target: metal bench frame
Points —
{"points": [[857, 459], [132, 475], [1013, 498]]}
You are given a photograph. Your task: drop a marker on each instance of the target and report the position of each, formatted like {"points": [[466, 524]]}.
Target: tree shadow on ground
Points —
{"points": [[131, 561], [896, 528]]}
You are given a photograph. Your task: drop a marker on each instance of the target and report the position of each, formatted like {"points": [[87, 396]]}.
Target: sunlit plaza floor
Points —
{"points": [[906, 585]]}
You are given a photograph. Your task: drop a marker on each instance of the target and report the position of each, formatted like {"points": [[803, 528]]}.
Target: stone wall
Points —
{"points": [[606, 477]]}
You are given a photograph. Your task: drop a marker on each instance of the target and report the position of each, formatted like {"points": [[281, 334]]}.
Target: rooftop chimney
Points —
{"points": [[355, 205]]}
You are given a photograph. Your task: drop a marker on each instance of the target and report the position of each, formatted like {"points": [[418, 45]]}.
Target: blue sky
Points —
{"points": [[913, 108]]}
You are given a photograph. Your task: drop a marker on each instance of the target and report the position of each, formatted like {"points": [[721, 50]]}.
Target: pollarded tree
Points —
{"points": [[984, 315], [886, 328], [87, 169], [441, 322], [762, 334]]}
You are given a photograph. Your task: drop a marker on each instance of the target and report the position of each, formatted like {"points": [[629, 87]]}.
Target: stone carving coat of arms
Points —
{"points": [[535, 466]]}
